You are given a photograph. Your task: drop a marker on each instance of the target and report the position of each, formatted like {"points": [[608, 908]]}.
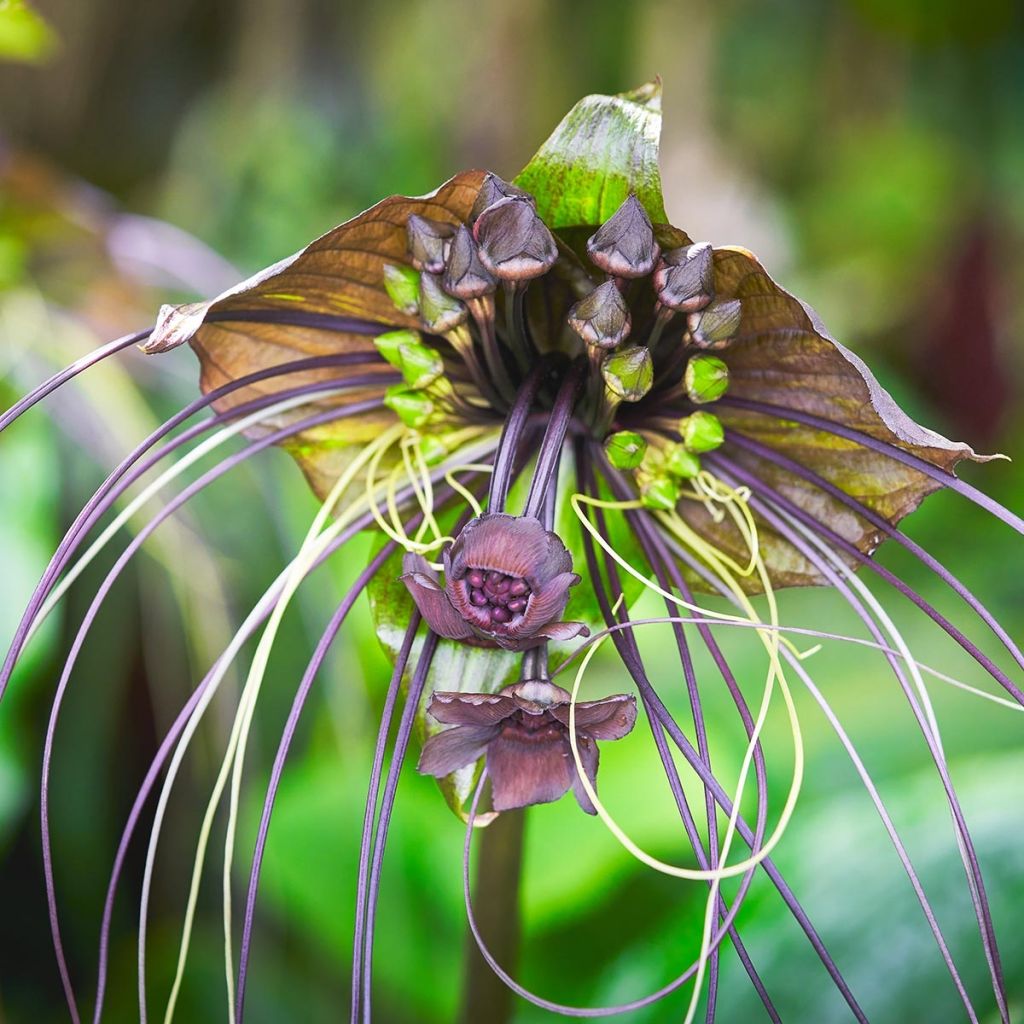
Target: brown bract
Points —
{"points": [[523, 731], [507, 581], [782, 354], [265, 321]]}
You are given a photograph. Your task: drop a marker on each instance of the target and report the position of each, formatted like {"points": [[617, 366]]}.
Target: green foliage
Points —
{"points": [[605, 148], [24, 34]]}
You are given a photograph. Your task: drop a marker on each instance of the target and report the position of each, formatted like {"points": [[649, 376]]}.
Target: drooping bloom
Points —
{"points": [[565, 400], [523, 731]]}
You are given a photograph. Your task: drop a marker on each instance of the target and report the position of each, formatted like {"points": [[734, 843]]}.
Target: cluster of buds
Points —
{"points": [[660, 464], [451, 282]]}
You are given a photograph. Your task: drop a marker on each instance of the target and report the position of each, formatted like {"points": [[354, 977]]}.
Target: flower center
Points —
{"points": [[496, 597]]}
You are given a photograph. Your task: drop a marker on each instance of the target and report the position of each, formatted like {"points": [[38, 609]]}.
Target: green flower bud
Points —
{"points": [[706, 379], [629, 373], [413, 408], [715, 326], [682, 463], [440, 312], [625, 449], [701, 431], [658, 491], [403, 287], [420, 365], [389, 345], [433, 449]]}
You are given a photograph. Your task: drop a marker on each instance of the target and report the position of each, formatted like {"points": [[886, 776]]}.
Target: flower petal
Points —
{"points": [[516, 545], [448, 751], [545, 604], [562, 631], [525, 773], [454, 708], [435, 607], [589, 757], [607, 719]]}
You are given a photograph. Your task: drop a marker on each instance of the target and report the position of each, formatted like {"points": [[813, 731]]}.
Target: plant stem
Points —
{"points": [[496, 902]]}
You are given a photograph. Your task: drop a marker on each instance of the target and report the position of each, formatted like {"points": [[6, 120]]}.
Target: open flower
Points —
{"points": [[507, 580], [687, 423], [523, 731]]}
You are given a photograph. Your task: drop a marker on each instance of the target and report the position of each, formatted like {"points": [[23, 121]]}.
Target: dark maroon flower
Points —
{"points": [[507, 581], [524, 732]]}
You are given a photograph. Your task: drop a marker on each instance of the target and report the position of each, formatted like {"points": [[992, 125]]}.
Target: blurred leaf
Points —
{"points": [[24, 35], [605, 148]]}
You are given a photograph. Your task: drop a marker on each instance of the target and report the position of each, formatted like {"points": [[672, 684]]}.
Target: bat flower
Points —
{"points": [[530, 375], [507, 580], [523, 733]]}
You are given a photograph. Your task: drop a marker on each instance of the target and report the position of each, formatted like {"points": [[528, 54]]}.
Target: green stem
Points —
{"points": [[485, 997]]}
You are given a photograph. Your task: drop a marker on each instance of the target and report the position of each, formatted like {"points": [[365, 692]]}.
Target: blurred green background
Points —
{"points": [[870, 152]]}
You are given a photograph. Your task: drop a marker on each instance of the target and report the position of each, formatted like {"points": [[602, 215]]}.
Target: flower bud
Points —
{"points": [[658, 490], [714, 326], [465, 276], [625, 449], [390, 343], [624, 245], [439, 311], [420, 365], [412, 407], [403, 287], [706, 379], [629, 374], [433, 449], [685, 279], [681, 463], [495, 189], [428, 243], [701, 431], [602, 318], [515, 244]]}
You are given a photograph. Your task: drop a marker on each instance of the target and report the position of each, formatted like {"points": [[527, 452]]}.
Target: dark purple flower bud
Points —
{"points": [[428, 243], [602, 318], [524, 732], [714, 326], [515, 244], [685, 278], [507, 581], [624, 245], [439, 311], [495, 189], [466, 277]]}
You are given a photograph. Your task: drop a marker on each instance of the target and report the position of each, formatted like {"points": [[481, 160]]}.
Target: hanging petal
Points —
{"points": [[589, 756], [448, 751], [524, 773], [607, 719], [454, 708]]}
